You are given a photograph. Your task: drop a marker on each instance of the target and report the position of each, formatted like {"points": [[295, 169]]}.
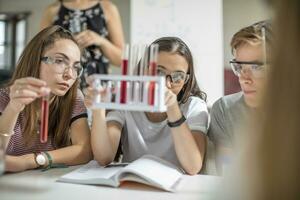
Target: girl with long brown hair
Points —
{"points": [[49, 65], [177, 135]]}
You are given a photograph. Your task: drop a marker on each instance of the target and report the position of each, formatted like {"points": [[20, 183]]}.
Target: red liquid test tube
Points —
{"points": [[153, 66], [44, 119], [124, 72], [124, 83], [151, 93]]}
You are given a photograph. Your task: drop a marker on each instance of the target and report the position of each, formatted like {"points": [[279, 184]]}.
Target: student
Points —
{"points": [[274, 166], [50, 64], [268, 167], [231, 113], [97, 26], [177, 135]]}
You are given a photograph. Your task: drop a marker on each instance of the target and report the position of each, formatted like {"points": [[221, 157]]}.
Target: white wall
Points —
{"points": [[239, 14], [124, 9], [197, 22]]}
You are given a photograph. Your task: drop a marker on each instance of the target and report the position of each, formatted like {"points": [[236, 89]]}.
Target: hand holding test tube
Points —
{"points": [[97, 92]]}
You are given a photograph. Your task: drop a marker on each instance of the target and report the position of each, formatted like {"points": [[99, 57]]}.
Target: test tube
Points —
{"points": [[152, 71], [44, 119], [118, 92], [263, 30], [145, 87], [134, 54], [137, 93], [109, 92], [124, 72], [143, 67], [97, 86]]}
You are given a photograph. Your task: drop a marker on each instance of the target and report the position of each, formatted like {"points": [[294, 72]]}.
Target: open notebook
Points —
{"points": [[149, 170]]}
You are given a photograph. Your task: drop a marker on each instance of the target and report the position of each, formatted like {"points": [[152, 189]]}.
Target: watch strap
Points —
{"points": [[51, 164], [177, 123]]}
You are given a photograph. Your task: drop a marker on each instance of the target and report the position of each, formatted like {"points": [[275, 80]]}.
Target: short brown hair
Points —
{"points": [[251, 35]]}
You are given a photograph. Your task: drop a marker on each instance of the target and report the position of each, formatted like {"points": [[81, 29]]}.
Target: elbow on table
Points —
{"points": [[102, 161], [193, 170]]}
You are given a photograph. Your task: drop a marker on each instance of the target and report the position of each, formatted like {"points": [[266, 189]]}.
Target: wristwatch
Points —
{"points": [[40, 159]]}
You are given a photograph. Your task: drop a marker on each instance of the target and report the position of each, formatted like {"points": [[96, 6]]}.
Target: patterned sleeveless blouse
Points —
{"points": [[79, 20]]}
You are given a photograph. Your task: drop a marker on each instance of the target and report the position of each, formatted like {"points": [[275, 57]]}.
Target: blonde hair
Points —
{"points": [[251, 35]]}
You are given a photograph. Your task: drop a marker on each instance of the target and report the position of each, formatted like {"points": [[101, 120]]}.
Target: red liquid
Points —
{"points": [[44, 121], [123, 83], [151, 93], [153, 68]]}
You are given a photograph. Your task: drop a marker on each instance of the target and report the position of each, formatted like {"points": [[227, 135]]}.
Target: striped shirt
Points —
{"points": [[17, 146]]}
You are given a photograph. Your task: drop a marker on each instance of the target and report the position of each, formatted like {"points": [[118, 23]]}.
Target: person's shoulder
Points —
{"points": [[79, 94], [52, 8], [194, 103], [229, 101], [108, 6], [4, 91], [193, 100]]}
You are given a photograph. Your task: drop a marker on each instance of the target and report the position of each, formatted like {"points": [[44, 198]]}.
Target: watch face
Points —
{"points": [[40, 159]]}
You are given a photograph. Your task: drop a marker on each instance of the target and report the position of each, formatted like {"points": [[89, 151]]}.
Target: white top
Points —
{"points": [[141, 136]]}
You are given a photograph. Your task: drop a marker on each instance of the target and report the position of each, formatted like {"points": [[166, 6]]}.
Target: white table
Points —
{"points": [[35, 184]]}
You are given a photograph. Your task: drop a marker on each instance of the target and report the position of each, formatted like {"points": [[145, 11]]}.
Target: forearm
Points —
{"points": [[101, 142], [72, 155], [8, 121], [112, 52], [186, 148]]}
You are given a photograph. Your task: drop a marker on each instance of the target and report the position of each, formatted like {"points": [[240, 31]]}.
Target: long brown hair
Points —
{"points": [[177, 46], [61, 107]]}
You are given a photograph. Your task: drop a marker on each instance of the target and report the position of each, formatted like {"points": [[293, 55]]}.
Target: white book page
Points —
{"points": [[92, 173], [153, 170]]}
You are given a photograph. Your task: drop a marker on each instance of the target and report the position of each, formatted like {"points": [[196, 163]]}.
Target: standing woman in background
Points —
{"points": [[97, 28]]}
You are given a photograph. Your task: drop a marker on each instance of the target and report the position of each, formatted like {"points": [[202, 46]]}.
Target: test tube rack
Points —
{"points": [[138, 92]]}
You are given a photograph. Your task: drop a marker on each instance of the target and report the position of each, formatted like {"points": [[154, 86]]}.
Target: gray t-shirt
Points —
{"points": [[141, 136], [228, 116]]}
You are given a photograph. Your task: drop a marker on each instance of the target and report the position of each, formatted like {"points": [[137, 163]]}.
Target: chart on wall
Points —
{"points": [[197, 22]]}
